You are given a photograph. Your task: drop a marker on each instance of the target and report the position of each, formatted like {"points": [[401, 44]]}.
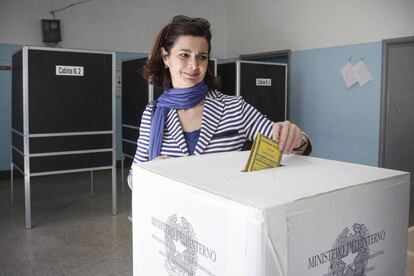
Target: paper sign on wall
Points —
{"points": [[357, 73], [348, 75], [362, 73]]}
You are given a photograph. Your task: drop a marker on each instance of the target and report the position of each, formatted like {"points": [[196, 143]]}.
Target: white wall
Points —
{"points": [[239, 26], [124, 25], [268, 25]]}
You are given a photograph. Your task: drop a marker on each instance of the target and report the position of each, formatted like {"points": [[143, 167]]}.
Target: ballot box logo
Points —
{"points": [[351, 252], [182, 250]]}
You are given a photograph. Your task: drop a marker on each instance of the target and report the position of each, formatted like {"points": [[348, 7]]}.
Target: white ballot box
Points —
{"points": [[202, 215]]}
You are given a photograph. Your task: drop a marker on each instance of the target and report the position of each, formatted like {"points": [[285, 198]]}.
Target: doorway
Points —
{"points": [[397, 108]]}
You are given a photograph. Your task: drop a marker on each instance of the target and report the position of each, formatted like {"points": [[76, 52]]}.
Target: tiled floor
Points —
{"points": [[73, 234]]}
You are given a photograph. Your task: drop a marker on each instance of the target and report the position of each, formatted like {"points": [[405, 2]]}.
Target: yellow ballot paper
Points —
{"points": [[264, 154]]}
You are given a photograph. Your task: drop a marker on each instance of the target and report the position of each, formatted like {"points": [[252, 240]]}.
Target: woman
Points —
{"points": [[191, 117]]}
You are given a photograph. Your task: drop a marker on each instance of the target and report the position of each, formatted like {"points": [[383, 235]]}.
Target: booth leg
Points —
{"points": [[11, 185], [28, 209], [114, 203], [92, 193], [122, 173]]}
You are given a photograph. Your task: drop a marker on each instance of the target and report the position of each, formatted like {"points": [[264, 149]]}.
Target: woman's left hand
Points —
{"points": [[288, 135]]}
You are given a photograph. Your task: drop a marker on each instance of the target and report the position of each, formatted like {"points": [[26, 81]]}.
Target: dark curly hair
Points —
{"points": [[154, 71]]}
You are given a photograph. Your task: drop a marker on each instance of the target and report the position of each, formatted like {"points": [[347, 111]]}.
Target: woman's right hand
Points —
{"points": [[162, 157]]}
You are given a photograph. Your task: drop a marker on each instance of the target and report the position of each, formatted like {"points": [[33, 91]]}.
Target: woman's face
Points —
{"points": [[187, 60]]}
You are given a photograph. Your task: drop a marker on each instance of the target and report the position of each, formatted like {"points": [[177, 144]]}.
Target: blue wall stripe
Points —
{"points": [[6, 52], [343, 123]]}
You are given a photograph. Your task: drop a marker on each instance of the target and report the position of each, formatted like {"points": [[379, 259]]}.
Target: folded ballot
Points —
{"points": [[201, 215], [264, 154]]}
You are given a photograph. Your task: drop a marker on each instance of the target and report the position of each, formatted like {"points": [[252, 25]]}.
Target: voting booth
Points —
{"points": [[262, 84], [63, 114], [135, 97], [201, 215]]}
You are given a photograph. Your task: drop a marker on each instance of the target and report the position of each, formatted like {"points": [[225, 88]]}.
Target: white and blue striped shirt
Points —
{"points": [[227, 122]]}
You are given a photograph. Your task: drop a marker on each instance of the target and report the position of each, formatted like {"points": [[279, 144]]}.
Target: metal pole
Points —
{"points": [[114, 197], [26, 150], [238, 78], [28, 209], [122, 172], [11, 185], [114, 203], [92, 184]]}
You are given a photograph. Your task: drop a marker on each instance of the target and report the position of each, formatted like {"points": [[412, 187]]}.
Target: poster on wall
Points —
{"points": [[358, 73]]}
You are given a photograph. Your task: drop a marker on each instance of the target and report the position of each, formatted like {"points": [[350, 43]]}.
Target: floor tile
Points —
{"points": [[73, 234], [409, 271]]}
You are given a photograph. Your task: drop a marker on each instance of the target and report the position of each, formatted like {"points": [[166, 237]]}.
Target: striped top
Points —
{"points": [[227, 122]]}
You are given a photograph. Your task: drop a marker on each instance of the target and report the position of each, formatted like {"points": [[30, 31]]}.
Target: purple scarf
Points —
{"points": [[180, 98]]}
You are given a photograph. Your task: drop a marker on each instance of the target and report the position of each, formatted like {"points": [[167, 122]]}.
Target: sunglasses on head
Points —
{"points": [[183, 19]]}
